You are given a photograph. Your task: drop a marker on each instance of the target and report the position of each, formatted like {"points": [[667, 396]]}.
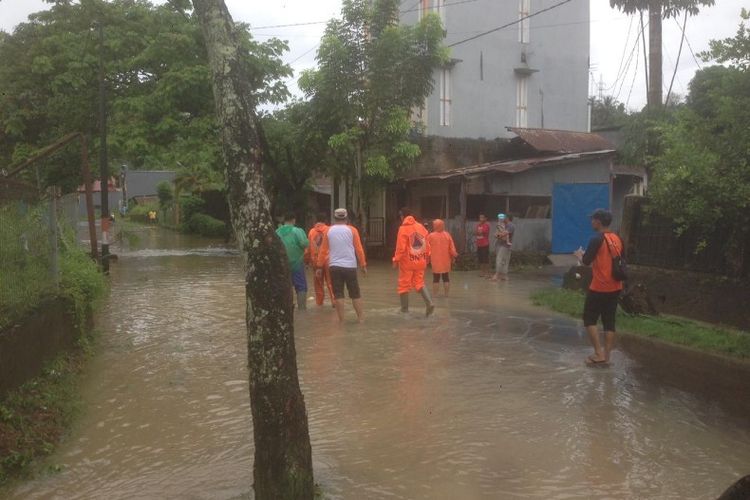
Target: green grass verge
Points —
{"points": [[671, 329], [34, 417]]}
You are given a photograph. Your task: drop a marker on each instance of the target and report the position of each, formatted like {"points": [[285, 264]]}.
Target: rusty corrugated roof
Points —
{"points": [[561, 141], [515, 166]]}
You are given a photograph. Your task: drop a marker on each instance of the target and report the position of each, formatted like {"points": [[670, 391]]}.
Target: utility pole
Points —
{"points": [[103, 165]]}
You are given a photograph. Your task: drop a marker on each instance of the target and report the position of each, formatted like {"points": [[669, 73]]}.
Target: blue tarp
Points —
{"points": [[571, 206]]}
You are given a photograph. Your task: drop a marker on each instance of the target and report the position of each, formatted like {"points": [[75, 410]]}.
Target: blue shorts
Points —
{"points": [[298, 278]]}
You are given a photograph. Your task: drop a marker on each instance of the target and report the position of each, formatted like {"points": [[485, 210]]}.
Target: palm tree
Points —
{"points": [[657, 10]]}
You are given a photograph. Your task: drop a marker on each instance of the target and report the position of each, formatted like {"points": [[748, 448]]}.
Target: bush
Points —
{"points": [[80, 282], [139, 213], [165, 192], [190, 205], [205, 225]]}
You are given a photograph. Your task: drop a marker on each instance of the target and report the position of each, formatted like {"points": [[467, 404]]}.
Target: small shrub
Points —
{"points": [[139, 213], [190, 205], [205, 225], [165, 192]]}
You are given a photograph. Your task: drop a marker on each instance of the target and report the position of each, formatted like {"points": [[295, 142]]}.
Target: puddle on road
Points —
{"points": [[488, 399]]}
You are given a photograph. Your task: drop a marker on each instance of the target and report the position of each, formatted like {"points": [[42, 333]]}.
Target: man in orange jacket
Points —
{"points": [[322, 282], [412, 254]]}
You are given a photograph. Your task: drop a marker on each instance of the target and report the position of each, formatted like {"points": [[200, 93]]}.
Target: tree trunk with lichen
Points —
{"points": [[283, 458]]}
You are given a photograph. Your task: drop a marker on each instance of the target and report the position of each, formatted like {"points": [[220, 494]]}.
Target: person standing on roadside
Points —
{"points": [[604, 291], [342, 252], [482, 235], [503, 245], [322, 281], [412, 253], [442, 255], [295, 242]]}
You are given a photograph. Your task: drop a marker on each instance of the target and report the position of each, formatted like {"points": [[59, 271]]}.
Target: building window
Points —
{"points": [[522, 101], [445, 97], [524, 9]]}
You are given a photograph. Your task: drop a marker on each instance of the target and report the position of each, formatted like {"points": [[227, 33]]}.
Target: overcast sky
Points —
{"points": [[609, 37]]}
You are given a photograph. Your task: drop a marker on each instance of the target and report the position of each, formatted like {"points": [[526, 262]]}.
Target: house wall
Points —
{"points": [[541, 181], [483, 80]]}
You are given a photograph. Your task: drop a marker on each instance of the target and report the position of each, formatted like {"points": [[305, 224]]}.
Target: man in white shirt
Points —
{"points": [[342, 252]]}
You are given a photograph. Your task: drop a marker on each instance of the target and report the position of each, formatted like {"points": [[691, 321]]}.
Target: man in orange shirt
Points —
{"points": [[442, 254], [604, 292], [412, 253], [316, 235]]}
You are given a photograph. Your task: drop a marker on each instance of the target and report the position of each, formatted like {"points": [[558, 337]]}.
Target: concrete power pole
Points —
{"points": [[103, 160]]}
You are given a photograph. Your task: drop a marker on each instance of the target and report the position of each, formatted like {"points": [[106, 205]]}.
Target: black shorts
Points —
{"points": [[437, 276], [341, 276], [483, 255], [601, 305]]}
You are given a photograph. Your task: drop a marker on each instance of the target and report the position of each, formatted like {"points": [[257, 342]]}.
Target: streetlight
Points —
{"points": [[123, 173]]}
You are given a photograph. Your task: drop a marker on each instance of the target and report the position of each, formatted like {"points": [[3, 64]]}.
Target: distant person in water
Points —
{"points": [[442, 255], [412, 253], [604, 291], [295, 242], [322, 281], [342, 253], [482, 235]]}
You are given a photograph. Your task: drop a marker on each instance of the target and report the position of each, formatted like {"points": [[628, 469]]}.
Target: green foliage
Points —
{"points": [[158, 82], [607, 112], [372, 73], [205, 225], [25, 261], [735, 51], [669, 8], [81, 282], [34, 417], [165, 192], [139, 213], [669, 329], [190, 205]]}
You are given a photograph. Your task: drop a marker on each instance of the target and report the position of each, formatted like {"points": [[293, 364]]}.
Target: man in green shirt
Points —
{"points": [[295, 242]]}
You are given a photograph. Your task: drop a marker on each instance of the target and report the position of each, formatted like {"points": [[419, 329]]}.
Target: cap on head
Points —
{"points": [[501, 216], [602, 215], [340, 214]]}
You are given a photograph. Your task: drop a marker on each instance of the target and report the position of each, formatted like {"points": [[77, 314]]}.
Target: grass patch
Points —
{"points": [[671, 329], [34, 417]]}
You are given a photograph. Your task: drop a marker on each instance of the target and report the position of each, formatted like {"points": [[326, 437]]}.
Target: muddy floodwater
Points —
{"points": [[490, 398]]}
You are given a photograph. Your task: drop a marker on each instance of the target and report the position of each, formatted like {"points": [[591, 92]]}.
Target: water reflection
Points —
{"points": [[488, 399]]}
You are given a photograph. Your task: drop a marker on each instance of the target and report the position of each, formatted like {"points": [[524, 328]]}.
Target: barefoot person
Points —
{"points": [[412, 252], [342, 253], [604, 292], [442, 255], [503, 244], [295, 242], [482, 234], [322, 281]]}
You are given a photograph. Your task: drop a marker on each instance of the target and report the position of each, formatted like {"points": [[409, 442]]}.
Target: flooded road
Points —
{"points": [[488, 399]]}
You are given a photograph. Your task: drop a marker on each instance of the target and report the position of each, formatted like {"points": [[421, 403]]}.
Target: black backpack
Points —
{"points": [[619, 265]]}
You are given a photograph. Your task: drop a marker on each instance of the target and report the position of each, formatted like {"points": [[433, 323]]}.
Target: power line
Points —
{"points": [[510, 23], [635, 75], [622, 57], [303, 55], [626, 71], [682, 28]]}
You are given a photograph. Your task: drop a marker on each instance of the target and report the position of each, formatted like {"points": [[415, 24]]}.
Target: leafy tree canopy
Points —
{"points": [[159, 96], [372, 73], [669, 8]]}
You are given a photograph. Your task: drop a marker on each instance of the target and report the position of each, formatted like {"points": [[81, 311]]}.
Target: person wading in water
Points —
{"points": [[412, 253]]}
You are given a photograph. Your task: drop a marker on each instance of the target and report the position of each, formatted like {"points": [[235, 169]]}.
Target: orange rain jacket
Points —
{"points": [[442, 248], [316, 237], [412, 246]]}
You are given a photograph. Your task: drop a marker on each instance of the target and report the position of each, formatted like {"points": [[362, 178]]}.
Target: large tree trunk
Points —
{"points": [[283, 458], [654, 55]]}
